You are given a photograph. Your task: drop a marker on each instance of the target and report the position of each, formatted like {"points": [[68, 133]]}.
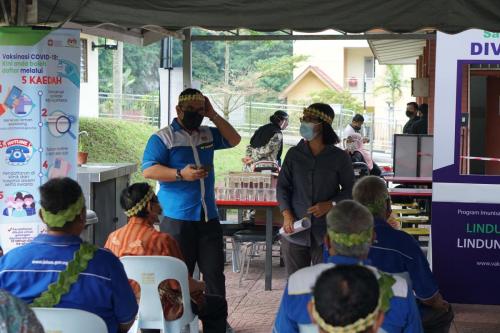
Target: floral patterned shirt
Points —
{"points": [[16, 316]]}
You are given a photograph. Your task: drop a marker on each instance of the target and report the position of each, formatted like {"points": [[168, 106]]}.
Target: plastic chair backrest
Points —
{"points": [[308, 328], [63, 320], [149, 272]]}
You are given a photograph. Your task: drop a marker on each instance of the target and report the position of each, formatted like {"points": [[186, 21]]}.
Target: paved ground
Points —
{"points": [[252, 310]]}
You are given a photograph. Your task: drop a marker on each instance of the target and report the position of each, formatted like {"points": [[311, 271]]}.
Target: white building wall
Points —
{"points": [[326, 54], [89, 91], [341, 59]]}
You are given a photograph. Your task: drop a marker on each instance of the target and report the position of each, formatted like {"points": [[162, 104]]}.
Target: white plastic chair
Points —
{"points": [[63, 320], [149, 272]]}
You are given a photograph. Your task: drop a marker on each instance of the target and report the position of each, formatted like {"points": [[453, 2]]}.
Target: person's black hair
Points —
{"points": [[58, 194], [30, 196], [358, 118], [19, 195], [131, 195], [190, 91], [345, 293], [414, 104], [278, 116], [329, 135], [424, 108]]}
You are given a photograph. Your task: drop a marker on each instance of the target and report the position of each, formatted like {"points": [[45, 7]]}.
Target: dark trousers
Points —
{"points": [[435, 321], [299, 256], [201, 243], [213, 315]]}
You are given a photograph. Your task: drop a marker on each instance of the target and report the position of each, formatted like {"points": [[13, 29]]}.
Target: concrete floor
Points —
{"points": [[252, 310]]}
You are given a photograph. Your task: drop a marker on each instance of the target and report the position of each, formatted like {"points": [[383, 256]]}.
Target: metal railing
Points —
{"points": [[250, 116], [137, 108]]}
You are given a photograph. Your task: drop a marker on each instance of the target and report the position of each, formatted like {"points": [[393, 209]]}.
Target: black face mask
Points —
{"points": [[409, 114], [192, 120], [357, 128]]}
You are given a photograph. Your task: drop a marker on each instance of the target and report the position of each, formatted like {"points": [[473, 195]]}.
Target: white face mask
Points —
{"points": [[284, 124], [351, 146], [307, 131]]}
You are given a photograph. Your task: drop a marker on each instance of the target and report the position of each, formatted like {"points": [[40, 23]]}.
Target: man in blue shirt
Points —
{"points": [[349, 235], [180, 157], [397, 252], [348, 298], [56, 258]]}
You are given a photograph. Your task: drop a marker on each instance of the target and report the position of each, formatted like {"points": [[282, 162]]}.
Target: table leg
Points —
{"points": [[269, 248]]}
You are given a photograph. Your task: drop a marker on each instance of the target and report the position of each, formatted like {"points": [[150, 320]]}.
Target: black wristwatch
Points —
{"points": [[178, 175]]}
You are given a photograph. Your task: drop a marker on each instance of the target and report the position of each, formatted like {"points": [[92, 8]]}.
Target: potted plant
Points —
{"points": [[82, 154], [353, 82]]}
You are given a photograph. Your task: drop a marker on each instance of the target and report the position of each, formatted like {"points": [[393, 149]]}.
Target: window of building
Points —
{"points": [[369, 67]]}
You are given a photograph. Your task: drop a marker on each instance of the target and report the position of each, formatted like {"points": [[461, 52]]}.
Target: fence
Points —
{"points": [[247, 118], [137, 108]]}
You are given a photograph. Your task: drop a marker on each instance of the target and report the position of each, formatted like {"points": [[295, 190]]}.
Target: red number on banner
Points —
{"points": [[44, 112], [1, 195], [45, 164], [1, 143]]}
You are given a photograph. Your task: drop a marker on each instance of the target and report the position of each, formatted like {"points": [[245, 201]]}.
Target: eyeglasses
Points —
{"points": [[310, 119]]}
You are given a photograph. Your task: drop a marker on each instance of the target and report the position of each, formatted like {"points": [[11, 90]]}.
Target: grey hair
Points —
{"points": [[349, 217], [371, 192]]}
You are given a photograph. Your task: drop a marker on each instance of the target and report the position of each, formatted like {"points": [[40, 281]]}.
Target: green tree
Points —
{"points": [[264, 79], [140, 66], [330, 96], [273, 59], [277, 72], [392, 84]]}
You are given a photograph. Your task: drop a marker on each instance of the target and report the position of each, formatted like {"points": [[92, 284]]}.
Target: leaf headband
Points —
{"points": [[189, 98], [385, 283], [350, 240], [377, 206], [319, 114], [60, 218], [141, 204]]}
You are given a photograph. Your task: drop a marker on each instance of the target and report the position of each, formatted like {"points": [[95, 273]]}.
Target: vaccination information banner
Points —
{"points": [[466, 163], [39, 98]]}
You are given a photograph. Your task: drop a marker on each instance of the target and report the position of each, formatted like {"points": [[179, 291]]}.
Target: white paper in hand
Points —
{"points": [[298, 226]]}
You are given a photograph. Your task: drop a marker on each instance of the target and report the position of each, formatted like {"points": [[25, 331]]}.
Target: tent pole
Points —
{"points": [[21, 13], [186, 59], [5, 14]]}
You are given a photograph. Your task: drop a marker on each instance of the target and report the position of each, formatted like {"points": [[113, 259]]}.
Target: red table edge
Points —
{"points": [[247, 203], [410, 192], [401, 180]]}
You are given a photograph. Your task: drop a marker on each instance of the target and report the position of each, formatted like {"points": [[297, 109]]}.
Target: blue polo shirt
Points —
{"points": [[397, 252], [103, 288], [402, 317], [175, 148]]}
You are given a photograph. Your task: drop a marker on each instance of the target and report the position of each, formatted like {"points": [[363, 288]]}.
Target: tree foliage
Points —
{"points": [[270, 63], [140, 65], [392, 84], [344, 97]]}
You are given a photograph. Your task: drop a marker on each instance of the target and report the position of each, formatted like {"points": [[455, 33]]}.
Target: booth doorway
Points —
{"points": [[481, 121]]}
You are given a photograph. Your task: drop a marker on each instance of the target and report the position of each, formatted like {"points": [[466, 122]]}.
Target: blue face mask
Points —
{"points": [[307, 131]]}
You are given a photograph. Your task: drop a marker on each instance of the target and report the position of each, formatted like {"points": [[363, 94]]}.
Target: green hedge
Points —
{"points": [[115, 141]]}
